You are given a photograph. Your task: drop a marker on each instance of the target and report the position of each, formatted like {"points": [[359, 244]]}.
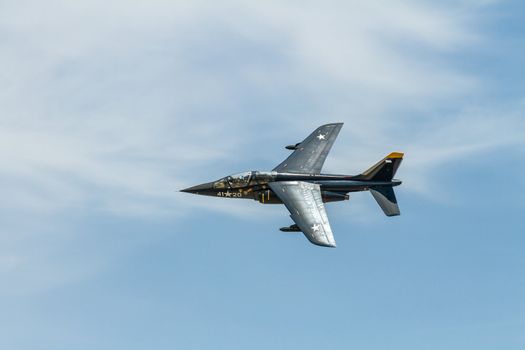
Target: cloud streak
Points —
{"points": [[123, 101], [112, 107]]}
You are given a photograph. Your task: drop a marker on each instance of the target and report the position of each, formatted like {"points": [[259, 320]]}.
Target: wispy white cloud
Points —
{"points": [[111, 100], [124, 98], [113, 106]]}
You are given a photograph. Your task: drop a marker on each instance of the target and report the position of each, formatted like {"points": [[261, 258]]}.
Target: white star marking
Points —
{"points": [[228, 194], [316, 227], [321, 137]]}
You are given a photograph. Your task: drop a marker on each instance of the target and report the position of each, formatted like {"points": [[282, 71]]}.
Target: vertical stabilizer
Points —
{"points": [[384, 170]]}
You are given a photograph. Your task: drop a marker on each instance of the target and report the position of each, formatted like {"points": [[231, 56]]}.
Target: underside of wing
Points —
{"points": [[309, 155], [303, 201]]}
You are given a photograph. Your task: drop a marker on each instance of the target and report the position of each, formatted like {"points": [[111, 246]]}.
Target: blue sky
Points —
{"points": [[107, 109]]}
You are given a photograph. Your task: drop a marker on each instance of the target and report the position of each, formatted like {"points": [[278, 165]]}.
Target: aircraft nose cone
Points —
{"points": [[199, 188]]}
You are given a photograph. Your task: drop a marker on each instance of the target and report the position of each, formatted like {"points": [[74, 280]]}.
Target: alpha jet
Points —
{"points": [[298, 184]]}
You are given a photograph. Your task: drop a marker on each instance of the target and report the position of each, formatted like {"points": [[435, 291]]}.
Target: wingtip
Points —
{"points": [[327, 244], [331, 124]]}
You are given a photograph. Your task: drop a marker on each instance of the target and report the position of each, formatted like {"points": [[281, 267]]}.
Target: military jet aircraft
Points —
{"points": [[298, 184]]}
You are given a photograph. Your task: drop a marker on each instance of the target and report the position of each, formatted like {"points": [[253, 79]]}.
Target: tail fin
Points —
{"points": [[384, 170], [386, 198]]}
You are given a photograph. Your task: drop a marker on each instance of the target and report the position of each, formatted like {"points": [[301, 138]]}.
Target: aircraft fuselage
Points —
{"points": [[297, 183], [254, 185]]}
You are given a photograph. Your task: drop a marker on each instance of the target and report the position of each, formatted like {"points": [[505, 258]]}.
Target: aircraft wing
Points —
{"points": [[309, 155], [303, 201]]}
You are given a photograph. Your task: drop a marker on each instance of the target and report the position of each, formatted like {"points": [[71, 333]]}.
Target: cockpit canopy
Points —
{"points": [[234, 181], [239, 180]]}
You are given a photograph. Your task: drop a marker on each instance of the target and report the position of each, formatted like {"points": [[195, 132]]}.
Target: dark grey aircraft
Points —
{"points": [[299, 185]]}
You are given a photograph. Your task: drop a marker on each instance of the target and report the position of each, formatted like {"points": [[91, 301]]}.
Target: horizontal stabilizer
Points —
{"points": [[386, 198]]}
